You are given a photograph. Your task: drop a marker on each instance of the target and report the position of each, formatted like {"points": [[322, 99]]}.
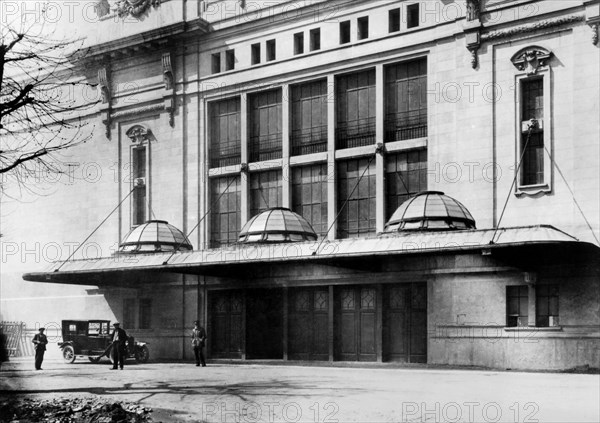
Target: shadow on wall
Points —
{"points": [[3, 347]]}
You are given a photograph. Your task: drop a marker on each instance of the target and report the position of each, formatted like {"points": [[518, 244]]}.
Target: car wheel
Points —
{"points": [[142, 354], [68, 354]]}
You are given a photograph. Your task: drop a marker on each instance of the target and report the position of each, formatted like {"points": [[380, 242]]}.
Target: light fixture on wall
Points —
{"points": [[530, 277]]}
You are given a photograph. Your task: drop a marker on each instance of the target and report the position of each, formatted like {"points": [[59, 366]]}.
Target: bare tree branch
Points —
{"points": [[40, 110]]}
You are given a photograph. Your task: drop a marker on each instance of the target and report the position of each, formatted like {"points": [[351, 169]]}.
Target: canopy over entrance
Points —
{"points": [[232, 260]]}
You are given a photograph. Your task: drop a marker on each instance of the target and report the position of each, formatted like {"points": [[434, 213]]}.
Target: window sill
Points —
{"points": [[532, 190], [535, 328]]}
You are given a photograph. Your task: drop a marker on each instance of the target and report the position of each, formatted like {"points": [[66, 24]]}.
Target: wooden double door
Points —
{"points": [[308, 323], [356, 323], [390, 322], [368, 323]]}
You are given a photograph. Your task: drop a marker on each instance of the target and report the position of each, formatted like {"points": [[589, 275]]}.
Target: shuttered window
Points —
{"points": [[309, 118], [356, 110], [406, 100], [265, 126], [225, 144]]}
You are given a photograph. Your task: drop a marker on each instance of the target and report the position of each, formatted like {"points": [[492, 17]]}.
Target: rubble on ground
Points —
{"points": [[72, 410]]}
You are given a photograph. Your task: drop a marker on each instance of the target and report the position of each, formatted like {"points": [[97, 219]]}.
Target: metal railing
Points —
{"points": [[265, 147], [225, 155], [405, 126], [355, 134], [309, 141]]}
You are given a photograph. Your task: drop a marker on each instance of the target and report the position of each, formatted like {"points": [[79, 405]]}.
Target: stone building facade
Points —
{"points": [[211, 112]]}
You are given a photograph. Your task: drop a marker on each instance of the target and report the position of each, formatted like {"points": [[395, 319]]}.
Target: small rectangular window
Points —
{"points": [[271, 50], [344, 32], [145, 313], [255, 53], [299, 43], [394, 20], [517, 306], [412, 15], [216, 63], [546, 306], [230, 60], [129, 313], [315, 39], [363, 28]]}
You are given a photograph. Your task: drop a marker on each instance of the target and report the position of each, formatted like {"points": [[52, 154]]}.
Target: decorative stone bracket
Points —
{"points": [[105, 97], [473, 40], [472, 30], [592, 18], [169, 83]]}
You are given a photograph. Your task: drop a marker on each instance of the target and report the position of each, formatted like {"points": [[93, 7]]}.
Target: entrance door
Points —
{"points": [[356, 322], [264, 324], [308, 330], [405, 323], [226, 324]]}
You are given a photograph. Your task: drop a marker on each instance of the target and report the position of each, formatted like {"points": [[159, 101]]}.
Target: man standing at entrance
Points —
{"points": [[198, 339], [119, 346], [40, 340]]}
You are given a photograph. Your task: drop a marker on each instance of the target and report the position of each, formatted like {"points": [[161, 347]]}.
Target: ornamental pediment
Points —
{"points": [[531, 59]]}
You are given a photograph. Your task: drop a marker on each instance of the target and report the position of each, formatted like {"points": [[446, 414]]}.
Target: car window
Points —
{"points": [[95, 329]]}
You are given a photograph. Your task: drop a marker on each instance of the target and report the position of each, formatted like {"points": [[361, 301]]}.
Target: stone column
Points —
{"points": [[331, 170], [379, 139], [285, 140], [244, 181]]}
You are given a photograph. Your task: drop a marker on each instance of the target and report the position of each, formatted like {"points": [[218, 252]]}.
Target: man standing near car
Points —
{"points": [[119, 346], [40, 340], [198, 340]]}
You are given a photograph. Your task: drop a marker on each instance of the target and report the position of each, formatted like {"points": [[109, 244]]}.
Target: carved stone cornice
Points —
{"points": [[108, 116], [152, 108], [529, 28]]}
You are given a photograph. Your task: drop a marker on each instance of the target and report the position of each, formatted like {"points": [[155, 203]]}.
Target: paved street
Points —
{"points": [[273, 393]]}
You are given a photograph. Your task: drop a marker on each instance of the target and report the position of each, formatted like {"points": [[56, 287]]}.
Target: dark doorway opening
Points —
{"points": [[264, 324], [226, 326]]}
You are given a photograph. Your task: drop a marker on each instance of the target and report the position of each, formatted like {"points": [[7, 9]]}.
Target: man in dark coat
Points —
{"points": [[198, 340], [119, 346], [40, 340]]}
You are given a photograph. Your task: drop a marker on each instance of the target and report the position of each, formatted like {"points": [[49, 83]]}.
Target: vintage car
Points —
{"points": [[91, 338]]}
